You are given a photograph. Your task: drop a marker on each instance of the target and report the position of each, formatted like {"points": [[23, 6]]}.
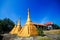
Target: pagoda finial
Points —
{"points": [[19, 23], [28, 19]]}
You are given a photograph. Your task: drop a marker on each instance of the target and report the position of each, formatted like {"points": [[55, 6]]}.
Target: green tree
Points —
{"points": [[40, 31], [6, 25], [0, 25], [55, 26]]}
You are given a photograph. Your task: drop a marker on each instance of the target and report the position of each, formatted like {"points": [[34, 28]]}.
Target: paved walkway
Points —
{"points": [[30, 38]]}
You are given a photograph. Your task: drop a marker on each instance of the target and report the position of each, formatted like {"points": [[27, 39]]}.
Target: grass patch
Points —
{"points": [[44, 38], [52, 32]]}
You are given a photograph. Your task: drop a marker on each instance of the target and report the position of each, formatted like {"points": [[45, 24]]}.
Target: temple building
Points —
{"points": [[16, 29], [29, 29], [49, 25]]}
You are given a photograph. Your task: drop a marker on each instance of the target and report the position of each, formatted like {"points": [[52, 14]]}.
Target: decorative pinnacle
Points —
{"points": [[18, 23], [28, 19]]}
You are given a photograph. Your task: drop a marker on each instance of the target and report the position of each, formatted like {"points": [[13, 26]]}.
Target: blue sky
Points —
{"points": [[41, 11]]}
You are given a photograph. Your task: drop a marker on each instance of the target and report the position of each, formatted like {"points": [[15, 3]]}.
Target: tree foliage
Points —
{"points": [[40, 31], [6, 25], [55, 26]]}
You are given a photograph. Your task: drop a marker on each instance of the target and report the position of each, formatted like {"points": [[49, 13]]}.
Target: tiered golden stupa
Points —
{"points": [[16, 29], [29, 29]]}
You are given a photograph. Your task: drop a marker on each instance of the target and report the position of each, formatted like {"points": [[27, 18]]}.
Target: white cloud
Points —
{"points": [[44, 20]]}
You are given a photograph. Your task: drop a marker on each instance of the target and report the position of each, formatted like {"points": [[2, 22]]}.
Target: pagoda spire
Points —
{"points": [[28, 19], [19, 23]]}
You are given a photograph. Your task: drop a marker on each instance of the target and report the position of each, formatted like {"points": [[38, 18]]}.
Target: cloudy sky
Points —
{"points": [[41, 11]]}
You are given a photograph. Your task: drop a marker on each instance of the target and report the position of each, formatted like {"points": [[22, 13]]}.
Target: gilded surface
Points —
{"points": [[28, 29]]}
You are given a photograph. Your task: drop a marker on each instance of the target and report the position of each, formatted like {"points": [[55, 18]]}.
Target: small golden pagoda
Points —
{"points": [[16, 29], [29, 29], [13, 30]]}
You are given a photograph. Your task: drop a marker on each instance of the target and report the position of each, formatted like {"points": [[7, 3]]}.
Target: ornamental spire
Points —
{"points": [[19, 23], [28, 19]]}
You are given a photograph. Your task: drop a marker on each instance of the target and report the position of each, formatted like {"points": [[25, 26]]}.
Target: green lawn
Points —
{"points": [[44, 38]]}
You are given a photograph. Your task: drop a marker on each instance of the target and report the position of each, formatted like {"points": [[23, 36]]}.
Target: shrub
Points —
{"points": [[40, 32]]}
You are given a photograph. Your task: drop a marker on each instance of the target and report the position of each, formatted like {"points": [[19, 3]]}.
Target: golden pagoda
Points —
{"points": [[29, 29], [13, 30], [16, 29]]}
